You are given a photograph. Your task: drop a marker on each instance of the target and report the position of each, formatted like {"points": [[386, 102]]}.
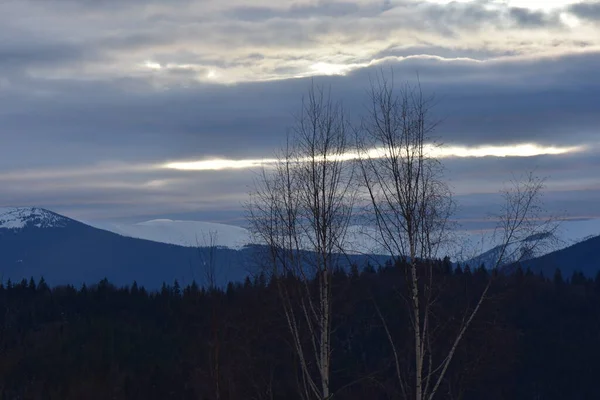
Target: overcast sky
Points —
{"points": [[97, 95]]}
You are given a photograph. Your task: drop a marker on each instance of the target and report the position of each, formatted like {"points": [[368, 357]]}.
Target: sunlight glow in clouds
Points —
{"points": [[152, 65], [322, 68], [521, 150], [218, 164], [544, 5]]}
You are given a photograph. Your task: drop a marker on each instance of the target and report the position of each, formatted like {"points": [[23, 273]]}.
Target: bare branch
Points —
{"points": [[301, 210]]}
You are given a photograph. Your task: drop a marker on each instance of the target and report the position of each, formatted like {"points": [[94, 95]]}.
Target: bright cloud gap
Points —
{"points": [[520, 150]]}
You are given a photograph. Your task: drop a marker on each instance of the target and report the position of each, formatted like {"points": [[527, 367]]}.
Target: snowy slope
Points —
{"points": [[183, 233], [30, 217]]}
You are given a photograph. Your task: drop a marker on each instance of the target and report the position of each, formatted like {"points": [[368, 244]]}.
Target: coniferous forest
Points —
{"points": [[535, 337]]}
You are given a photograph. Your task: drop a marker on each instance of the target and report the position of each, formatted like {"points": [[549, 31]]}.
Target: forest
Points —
{"points": [[536, 337]]}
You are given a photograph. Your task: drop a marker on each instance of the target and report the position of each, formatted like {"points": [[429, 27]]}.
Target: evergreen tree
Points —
{"points": [[42, 286], [558, 278], [32, 286], [176, 289]]}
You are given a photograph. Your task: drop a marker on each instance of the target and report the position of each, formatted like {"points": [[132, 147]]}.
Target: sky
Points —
{"points": [[101, 99]]}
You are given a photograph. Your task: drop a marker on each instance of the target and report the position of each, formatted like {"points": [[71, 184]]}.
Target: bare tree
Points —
{"points": [[301, 210], [522, 218], [409, 203], [523, 227], [411, 208]]}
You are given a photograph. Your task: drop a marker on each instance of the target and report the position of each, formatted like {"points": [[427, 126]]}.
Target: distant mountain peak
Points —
{"points": [[30, 217]]}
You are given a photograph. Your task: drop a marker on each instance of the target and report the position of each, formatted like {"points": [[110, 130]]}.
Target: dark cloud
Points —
{"points": [[109, 5], [455, 16], [133, 41], [22, 53], [587, 10], [525, 17], [560, 171], [551, 101], [548, 101]]}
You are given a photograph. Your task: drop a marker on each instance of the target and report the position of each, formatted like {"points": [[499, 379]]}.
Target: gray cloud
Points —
{"points": [[547, 101], [76, 93], [533, 19], [18, 55], [118, 35], [446, 17], [587, 10], [295, 11]]}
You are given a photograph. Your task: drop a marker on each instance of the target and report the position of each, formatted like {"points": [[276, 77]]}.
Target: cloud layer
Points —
{"points": [[95, 94]]}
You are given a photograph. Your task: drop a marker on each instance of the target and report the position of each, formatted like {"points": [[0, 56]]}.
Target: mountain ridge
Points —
{"points": [[66, 251], [38, 242], [579, 257]]}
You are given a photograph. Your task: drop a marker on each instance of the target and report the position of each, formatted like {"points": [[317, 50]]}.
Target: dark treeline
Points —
{"points": [[536, 337]]}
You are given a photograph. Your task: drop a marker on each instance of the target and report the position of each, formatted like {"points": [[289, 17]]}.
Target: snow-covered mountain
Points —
{"points": [[39, 243], [31, 217], [35, 242]]}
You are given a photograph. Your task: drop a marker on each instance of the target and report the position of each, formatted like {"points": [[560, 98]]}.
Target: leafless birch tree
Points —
{"points": [[300, 210], [411, 206]]}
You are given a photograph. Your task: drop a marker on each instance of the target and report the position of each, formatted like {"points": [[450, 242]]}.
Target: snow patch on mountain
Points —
{"points": [[28, 217]]}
